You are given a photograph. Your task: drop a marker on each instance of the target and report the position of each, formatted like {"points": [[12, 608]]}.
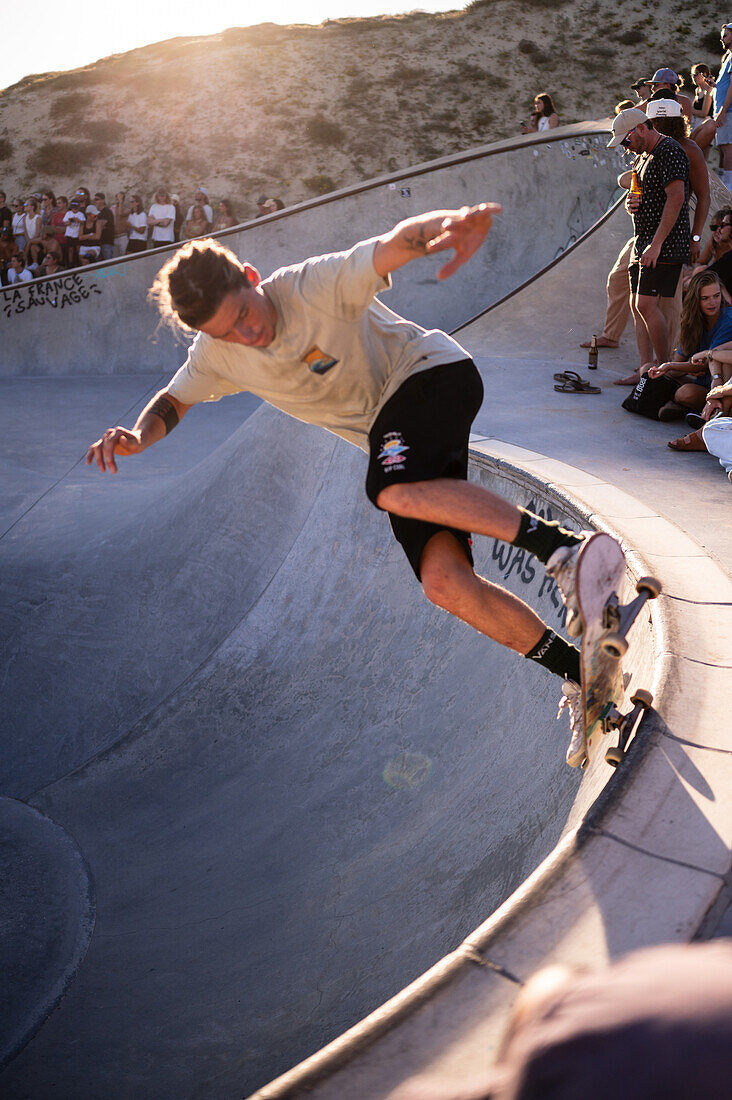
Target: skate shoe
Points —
{"points": [[572, 701], [562, 567]]}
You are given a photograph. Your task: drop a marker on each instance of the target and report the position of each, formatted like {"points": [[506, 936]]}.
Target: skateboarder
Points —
{"points": [[315, 341]]}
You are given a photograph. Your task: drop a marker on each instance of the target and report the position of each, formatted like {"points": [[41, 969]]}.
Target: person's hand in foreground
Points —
{"points": [[465, 232]]}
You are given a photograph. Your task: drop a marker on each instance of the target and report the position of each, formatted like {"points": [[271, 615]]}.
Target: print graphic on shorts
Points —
{"points": [[393, 450], [319, 361]]}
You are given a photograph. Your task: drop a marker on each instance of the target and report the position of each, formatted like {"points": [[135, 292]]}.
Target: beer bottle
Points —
{"points": [[635, 184], [592, 360]]}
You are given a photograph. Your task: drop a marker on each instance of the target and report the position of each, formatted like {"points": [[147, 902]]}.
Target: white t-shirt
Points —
{"points": [[73, 220], [338, 353], [139, 233], [206, 209], [23, 276], [163, 233]]}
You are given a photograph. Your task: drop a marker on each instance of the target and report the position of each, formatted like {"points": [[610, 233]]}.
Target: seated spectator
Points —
{"points": [[201, 197], [703, 127], [7, 251], [89, 246], [74, 220], [121, 212], [268, 206], [624, 105], [18, 272], [6, 214], [544, 116], [225, 217], [706, 322], [136, 227], [161, 219], [18, 224], [50, 265], [720, 240], [104, 226], [722, 264], [198, 224]]}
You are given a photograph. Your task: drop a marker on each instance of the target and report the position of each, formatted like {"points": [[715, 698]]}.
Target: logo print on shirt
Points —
{"points": [[393, 450], [319, 361]]}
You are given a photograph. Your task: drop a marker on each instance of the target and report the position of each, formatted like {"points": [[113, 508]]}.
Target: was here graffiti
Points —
{"points": [[514, 562]]}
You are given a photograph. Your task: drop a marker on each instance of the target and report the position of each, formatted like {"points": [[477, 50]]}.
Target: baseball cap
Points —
{"points": [[664, 76], [639, 83], [623, 123], [663, 108]]}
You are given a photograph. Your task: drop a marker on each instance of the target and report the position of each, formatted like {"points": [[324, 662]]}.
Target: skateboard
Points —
{"points": [[606, 622]]}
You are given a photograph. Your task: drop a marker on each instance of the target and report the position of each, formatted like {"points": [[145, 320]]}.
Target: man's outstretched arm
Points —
{"points": [[463, 230], [156, 420]]}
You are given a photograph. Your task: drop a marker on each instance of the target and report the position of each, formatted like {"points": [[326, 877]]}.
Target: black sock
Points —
{"points": [[558, 656], [542, 537]]}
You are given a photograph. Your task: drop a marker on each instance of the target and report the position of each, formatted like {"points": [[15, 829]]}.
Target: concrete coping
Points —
{"points": [[647, 859]]}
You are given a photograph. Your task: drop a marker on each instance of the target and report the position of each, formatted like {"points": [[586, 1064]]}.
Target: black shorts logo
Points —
{"points": [[393, 450]]}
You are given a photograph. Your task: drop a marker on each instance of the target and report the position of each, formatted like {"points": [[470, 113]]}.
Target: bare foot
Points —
{"points": [[631, 380], [602, 342]]}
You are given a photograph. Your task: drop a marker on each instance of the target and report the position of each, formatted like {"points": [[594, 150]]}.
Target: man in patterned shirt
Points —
{"points": [[660, 225]]}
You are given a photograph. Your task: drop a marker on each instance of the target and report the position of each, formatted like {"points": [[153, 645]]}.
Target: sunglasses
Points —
{"points": [[714, 228], [626, 140]]}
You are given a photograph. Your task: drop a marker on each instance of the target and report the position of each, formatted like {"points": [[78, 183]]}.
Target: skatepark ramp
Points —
{"points": [[259, 797]]}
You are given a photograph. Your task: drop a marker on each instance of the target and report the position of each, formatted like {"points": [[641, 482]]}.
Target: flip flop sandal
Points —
{"points": [[577, 387], [690, 442], [568, 376]]}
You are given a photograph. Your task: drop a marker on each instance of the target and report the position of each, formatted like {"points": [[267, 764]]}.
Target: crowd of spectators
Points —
{"points": [[673, 277], [45, 233]]}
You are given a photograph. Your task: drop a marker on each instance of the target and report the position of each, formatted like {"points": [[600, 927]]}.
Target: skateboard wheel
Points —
{"points": [[615, 645], [650, 585], [614, 756], [642, 698]]}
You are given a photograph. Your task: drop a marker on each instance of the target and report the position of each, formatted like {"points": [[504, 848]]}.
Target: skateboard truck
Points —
{"points": [[619, 619], [641, 700]]}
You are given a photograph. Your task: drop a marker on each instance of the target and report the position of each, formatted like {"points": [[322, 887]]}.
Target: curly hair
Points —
{"points": [[191, 286], [676, 128]]}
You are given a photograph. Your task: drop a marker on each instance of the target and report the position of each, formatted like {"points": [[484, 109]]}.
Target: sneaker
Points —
{"points": [[572, 701], [562, 567]]}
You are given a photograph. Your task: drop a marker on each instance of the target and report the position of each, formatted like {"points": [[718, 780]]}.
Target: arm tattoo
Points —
{"points": [[165, 409], [416, 240]]}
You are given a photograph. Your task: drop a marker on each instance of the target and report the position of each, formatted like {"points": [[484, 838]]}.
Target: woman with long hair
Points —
{"points": [[706, 327], [703, 127], [544, 115], [137, 227], [225, 217]]}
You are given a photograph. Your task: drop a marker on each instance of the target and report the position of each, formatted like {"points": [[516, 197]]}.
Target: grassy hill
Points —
{"points": [[296, 111]]}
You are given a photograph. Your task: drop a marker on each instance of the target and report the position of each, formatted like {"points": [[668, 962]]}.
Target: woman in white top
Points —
{"points": [[544, 116], [19, 225], [161, 218], [137, 227], [33, 223]]}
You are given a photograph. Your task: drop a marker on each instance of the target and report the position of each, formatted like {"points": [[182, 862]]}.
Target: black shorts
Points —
{"points": [[660, 281], [421, 434]]}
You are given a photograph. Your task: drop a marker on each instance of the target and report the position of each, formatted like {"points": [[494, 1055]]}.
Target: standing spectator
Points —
{"points": [[703, 126], [6, 214], [544, 116], [197, 225], [7, 251], [121, 212], [48, 204], [179, 219], [18, 224], [89, 244], [667, 80], [18, 272], [104, 226], [661, 235], [74, 220], [642, 89], [161, 219], [722, 101], [669, 121], [137, 227], [269, 206], [225, 217], [201, 196], [33, 226], [55, 242]]}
